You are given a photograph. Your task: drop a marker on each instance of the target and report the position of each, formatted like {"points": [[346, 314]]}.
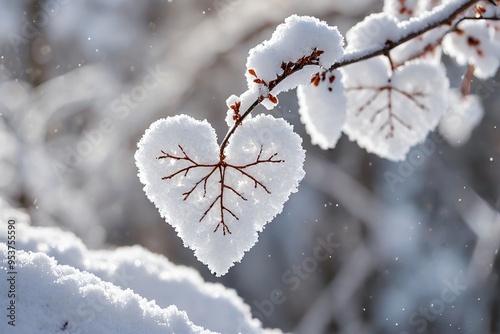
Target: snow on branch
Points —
{"points": [[393, 35], [408, 30]]}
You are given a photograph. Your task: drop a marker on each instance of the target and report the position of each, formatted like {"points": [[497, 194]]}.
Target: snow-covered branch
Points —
{"points": [[386, 90]]}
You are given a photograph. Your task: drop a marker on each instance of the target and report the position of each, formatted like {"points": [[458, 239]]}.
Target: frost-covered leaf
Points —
{"points": [[464, 114], [375, 31], [387, 113], [300, 42], [218, 204], [322, 108], [474, 44]]}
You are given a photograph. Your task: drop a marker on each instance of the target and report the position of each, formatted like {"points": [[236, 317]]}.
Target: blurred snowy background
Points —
{"points": [[80, 81]]}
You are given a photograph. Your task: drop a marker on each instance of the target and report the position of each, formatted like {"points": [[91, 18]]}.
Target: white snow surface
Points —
{"points": [[253, 194], [125, 271], [52, 298], [322, 109], [476, 45], [297, 37], [388, 113], [464, 114]]}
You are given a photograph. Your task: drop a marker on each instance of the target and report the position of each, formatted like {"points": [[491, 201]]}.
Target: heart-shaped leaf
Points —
{"points": [[388, 111], [218, 203]]}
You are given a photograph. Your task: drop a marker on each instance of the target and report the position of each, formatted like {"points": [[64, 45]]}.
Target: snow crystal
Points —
{"points": [[323, 109], [297, 37], [464, 114], [219, 220], [474, 44], [389, 114], [53, 298], [374, 32]]}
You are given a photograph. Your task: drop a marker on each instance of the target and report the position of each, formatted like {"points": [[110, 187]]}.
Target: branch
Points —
{"points": [[416, 27]]}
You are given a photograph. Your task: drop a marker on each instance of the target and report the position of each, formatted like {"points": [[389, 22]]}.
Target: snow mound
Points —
{"points": [[52, 298]]}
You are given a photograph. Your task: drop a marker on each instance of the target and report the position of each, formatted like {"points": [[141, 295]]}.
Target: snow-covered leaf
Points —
{"points": [[218, 204], [323, 108], [301, 41], [389, 112], [464, 114], [474, 44]]}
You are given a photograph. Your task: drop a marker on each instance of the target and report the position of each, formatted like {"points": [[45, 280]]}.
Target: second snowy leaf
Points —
{"points": [[388, 111]]}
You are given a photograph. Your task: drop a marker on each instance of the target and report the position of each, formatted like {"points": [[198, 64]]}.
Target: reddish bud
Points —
{"points": [[272, 98], [472, 41]]}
